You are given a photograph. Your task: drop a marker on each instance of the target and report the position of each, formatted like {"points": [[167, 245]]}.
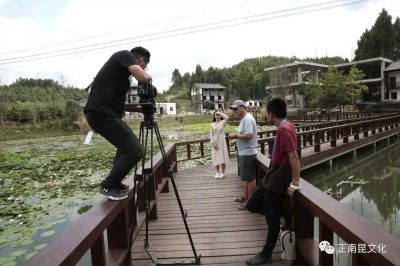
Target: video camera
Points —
{"points": [[145, 91], [144, 95]]}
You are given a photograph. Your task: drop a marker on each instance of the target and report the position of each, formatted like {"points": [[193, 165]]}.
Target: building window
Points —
{"points": [[204, 98], [392, 83], [171, 109], [393, 95], [219, 97], [212, 98]]}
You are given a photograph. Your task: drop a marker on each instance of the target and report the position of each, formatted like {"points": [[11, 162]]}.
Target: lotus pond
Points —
{"points": [[45, 184]]}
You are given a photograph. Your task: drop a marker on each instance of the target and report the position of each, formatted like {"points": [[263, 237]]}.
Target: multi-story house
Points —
{"points": [[208, 96], [382, 77]]}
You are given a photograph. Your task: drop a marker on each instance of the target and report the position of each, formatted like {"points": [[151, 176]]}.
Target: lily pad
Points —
{"points": [[41, 246], [17, 253], [26, 242], [10, 263], [30, 255], [48, 233], [14, 237]]}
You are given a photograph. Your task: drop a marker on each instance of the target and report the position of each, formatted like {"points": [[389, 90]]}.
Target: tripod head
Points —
{"points": [[148, 111]]}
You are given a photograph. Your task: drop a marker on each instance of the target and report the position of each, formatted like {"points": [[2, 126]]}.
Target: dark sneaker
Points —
{"points": [[123, 188], [113, 193], [258, 260]]}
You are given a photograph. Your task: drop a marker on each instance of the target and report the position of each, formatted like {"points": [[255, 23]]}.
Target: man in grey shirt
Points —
{"points": [[246, 144]]}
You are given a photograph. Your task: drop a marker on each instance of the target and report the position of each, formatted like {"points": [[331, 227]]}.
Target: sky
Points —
{"points": [[69, 40]]}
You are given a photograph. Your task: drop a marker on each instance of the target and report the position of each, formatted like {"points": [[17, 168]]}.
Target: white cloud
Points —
{"points": [[332, 32]]}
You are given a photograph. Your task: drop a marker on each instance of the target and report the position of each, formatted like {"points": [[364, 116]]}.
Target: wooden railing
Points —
{"points": [[320, 118], [315, 138], [116, 217], [334, 217], [330, 117], [113, 217]]}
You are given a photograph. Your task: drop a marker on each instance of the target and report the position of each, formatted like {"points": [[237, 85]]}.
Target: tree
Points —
{"points": [[176, 79], [354, 88], [396, 27], [335, 88], [198, 75], [380, 41]]}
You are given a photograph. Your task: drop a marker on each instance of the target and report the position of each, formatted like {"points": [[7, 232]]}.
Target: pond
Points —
{"points": [[46, 184], [368, 184]]}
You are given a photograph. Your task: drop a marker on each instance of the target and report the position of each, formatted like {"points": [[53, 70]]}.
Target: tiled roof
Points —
{"points": [[210, 86], [393, 66]]}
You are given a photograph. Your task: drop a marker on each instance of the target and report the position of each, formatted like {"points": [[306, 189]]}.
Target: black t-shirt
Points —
{"points": [[111, 84]]}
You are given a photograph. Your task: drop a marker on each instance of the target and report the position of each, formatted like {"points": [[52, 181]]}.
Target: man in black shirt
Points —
{"points": [[104, 110]]}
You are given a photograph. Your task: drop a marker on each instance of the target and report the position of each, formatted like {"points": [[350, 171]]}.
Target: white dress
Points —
{"points": [[217, 135]]}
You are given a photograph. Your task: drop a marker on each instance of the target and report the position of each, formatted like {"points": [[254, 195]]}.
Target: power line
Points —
{"points": [[183, 31]]}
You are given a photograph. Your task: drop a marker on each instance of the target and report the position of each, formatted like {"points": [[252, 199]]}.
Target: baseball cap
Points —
{"points": [[237, 103]]}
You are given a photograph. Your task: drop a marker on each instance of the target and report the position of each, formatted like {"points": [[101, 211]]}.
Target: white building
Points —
{"points": [[166, 108], [253, 105], [208, 96], [393, 80]]}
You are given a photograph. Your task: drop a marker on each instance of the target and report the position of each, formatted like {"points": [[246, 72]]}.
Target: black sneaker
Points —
{"points": [[113, 193], [123, 187], [258, 260]]}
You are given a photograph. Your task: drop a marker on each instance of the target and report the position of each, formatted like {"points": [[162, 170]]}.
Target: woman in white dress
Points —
{"points": [[219, 150]]}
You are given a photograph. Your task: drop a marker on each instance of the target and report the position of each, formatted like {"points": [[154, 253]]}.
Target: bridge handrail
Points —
{"points": [[334, 217], [332, 134], [113, 217]]}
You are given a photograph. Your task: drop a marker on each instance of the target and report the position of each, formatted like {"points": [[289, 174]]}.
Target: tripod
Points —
{"points": [[150, 126]]}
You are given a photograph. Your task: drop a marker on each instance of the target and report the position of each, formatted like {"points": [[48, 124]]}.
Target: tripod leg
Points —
{"points": [[172, 178], [146, 189], [136, 185]]}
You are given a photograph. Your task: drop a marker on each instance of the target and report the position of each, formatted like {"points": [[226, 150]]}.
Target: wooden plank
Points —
{"points": [[222, 234]]}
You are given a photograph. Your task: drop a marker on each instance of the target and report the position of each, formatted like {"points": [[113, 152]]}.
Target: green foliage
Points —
{"points": [[335, 88], [72, 111], [353, 87], [382, 40], [39, 100]]}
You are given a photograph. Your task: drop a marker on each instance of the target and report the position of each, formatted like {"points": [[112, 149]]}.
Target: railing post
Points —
{"points": [[299, 146], [304, 229], [356, 131], [97, 252], [117, 232], [262, 148], [345, 134], [325, 234], [317, 138], [189, 155], [333, 137], [152, 189]]}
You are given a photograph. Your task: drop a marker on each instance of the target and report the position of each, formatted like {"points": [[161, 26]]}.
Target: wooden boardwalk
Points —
{"points": [[222, 234]]}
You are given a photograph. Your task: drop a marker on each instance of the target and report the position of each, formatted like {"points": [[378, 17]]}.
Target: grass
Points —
{"points": [[32, 131]]}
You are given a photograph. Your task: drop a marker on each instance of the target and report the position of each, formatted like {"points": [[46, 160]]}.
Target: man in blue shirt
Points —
{"points": [[246, 143]]}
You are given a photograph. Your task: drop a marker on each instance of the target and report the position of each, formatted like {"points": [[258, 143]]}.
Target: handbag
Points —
{"points": [[287, 240]]}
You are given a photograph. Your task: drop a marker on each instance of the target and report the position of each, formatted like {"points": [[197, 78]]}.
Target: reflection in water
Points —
{"points": [[369, 186]]}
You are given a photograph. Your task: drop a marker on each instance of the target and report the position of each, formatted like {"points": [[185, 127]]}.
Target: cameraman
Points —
{"points": [[104, 110]]}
